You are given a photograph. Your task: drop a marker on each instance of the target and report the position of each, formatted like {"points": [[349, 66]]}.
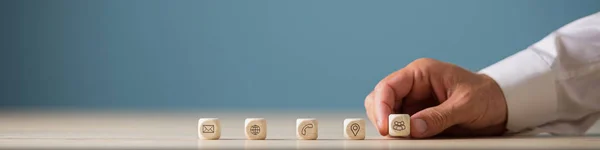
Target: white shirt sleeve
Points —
{"points": [[553, 86]]}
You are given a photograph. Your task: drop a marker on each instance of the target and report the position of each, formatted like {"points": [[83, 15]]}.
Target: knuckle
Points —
{"points": [[368, 100], [440, 118], [425, 65], [421, 76], [424, 60]]}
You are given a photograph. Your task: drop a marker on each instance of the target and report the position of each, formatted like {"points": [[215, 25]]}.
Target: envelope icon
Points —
{"points": [[208, 128]]}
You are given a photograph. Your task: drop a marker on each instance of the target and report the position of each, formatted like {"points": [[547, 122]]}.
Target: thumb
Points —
{"points": [[434, 120]]}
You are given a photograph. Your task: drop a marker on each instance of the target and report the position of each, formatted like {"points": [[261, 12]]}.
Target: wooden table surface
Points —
{"points": [[114, 129]]}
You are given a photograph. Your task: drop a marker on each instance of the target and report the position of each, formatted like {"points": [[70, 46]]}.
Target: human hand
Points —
{"points": [[442, 99]]}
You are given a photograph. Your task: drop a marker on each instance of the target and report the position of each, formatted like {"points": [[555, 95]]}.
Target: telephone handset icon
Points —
{"points": [[303, 132]]}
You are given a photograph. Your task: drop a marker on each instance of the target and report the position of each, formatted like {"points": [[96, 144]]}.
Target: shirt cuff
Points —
{"points": [[528, 86]]}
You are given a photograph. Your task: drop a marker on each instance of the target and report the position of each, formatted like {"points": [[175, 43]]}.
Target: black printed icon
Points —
{"points": [[255, 129], [208, 128], [307, 126], [355, 128], [399, 125]]}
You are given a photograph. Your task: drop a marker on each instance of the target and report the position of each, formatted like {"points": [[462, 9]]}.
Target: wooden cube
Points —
{"points": [[307, 129], [256, 128], [354, 128], [209, 128], [399, 125]]}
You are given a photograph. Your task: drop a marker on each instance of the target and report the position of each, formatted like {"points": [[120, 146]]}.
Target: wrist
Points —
{"points": [[497, 103]]}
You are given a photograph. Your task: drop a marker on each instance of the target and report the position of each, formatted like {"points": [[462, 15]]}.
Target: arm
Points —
{"points": [[554, 85]]}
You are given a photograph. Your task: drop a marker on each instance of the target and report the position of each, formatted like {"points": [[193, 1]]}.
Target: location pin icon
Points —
{"points": [[355, 128]]}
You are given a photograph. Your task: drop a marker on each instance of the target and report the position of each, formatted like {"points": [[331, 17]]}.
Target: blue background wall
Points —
{"points": [[248, 54]]}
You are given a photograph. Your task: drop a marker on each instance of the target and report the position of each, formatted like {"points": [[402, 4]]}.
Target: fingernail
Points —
{"points": [[380, 123], [420, 126]]}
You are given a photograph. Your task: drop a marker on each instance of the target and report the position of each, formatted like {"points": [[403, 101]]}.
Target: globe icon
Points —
{"points": [[255, 129]]}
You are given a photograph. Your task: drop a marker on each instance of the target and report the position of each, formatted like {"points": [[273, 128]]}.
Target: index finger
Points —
{"points": [[388, 92]]}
